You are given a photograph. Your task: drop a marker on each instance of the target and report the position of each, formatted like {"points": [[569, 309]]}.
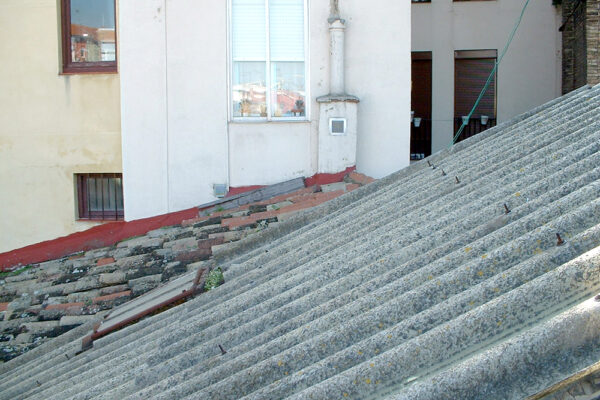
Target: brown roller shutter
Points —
{"points": [[470, 78]]}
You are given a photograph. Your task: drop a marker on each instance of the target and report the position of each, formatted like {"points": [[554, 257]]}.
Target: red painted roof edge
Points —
{"points": [[324, 179], [110, 233], [99, 236], [242, 189]]}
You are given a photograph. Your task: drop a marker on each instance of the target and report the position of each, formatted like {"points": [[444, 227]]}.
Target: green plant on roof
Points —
{"points": [[219, 209], [214, 279], [261, 225], [15, 272]]}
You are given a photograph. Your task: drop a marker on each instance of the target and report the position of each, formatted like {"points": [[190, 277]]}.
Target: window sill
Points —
{"points": [[64, 73], [102, 221], [265, 121], [90, 70]]}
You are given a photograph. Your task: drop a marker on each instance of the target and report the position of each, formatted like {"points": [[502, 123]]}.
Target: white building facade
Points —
{"points": [[455, 44], [255, 92]]}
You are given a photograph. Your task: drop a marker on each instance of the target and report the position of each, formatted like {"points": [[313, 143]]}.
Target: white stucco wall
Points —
{"points": [[529, 74], [142, 49], [263, 154], [378, 72], [175, 101], [174, 74]]}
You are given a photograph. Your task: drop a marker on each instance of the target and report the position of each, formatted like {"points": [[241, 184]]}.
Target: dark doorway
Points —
{"points": [[420, 129]]}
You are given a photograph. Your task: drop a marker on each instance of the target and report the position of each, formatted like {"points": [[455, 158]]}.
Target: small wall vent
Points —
{"points": [[337, 126], [220, 190]]}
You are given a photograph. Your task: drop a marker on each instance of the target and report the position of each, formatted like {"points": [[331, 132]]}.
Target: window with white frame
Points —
{"points": [[268, 69]]}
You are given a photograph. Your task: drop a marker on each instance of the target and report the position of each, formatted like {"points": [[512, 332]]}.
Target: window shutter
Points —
{"points": [[249, 37], [286, 24], [471, 75]]}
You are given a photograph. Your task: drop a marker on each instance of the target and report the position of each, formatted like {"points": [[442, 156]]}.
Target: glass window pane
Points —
{"points": [[286, 30], [91, 186], [249, 89], [119, 189], [287, 89], [109, 201], [93, 30], [249, 37]]}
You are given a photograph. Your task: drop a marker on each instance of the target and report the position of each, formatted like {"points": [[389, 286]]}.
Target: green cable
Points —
{"points": [[489, 80]]}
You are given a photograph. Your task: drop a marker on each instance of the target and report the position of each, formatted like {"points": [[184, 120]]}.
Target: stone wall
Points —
{"points": [[593, 41], [581, 38]]}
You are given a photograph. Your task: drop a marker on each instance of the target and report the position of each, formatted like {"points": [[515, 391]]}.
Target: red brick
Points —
{"points": [[220, 213], [303, 197], [311, 201], [104, 261], [113, 296], [351, 186], [238, 221], [3, 306], [208, 243], [194, 256], [190, 222], [360, 178], [265, 215], [64, 306], [318, 197], [284, 197]]}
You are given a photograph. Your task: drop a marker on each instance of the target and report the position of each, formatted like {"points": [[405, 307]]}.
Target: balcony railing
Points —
{"points": [[473, 127], [420, 139]]}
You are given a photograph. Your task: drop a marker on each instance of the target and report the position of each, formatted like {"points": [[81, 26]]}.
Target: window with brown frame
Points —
{"points": [[89, 38], [100, 196]]}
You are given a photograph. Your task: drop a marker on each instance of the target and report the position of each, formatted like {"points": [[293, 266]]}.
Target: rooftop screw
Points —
{"points": [[443, 172], [223, 352], [506, 209], [428, 163], [457, 180], [559, 241], [38, 383]]}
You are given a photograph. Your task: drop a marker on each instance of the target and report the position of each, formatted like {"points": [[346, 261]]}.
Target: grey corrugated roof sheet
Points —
{"points": [[414, 287]]}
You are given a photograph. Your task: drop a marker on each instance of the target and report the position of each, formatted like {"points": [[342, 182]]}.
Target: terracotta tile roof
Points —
{"points": [[95, 281]]}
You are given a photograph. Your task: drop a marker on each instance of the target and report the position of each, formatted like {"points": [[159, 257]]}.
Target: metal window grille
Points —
{"points": [[100, 196], [473, 127]]}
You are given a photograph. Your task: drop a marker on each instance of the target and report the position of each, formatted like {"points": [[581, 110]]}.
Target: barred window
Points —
{"points": [[100, 196]]}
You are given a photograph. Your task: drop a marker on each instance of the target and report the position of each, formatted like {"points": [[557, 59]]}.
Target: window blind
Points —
{"points": [[249, 34], [286, 24], [471, 75]]}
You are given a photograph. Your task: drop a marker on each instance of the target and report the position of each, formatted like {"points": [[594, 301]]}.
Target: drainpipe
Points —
{"points": [[336, 65]]}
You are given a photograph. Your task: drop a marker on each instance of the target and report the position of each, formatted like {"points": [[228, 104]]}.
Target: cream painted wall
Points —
{"points": [[51, 127], [530, 73], [175, 103]]}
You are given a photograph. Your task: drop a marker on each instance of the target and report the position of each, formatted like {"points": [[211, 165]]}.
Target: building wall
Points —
{"points": [[175, 103], [593, 41], [529, 74], [581, 43], [51, 127]]}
